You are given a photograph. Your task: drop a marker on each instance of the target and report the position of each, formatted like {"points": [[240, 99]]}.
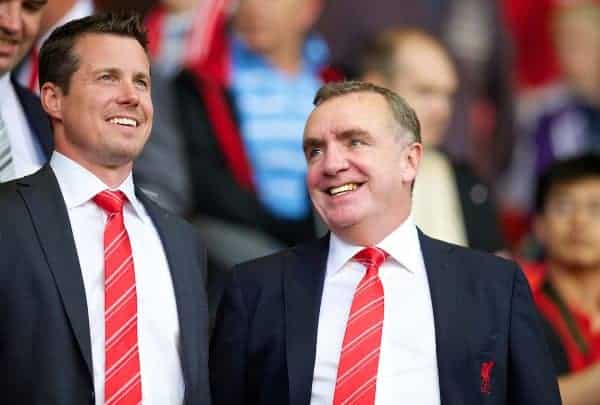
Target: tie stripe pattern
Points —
{"points": [[359, 359], [122, 379], [6, 160]]}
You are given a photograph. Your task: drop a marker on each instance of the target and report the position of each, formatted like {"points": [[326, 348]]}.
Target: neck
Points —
{"points": [[111, 175], [580, 287], [288, 59], [369, 234]]}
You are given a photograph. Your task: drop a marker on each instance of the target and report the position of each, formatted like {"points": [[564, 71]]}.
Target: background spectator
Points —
{"points": [[566, 285], [25, 135], [241, 116], [449, 201]]}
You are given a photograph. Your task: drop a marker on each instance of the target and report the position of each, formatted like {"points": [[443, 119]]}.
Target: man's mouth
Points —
{"points": [[124, 121], [343, 189]]}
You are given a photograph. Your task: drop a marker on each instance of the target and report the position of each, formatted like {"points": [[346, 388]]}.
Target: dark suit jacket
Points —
{"points": [[45, 353], [36, 118], [263, 347]]}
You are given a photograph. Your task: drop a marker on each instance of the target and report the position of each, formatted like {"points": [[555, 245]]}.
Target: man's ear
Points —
{"points": [[411, 161], [51, 97]]}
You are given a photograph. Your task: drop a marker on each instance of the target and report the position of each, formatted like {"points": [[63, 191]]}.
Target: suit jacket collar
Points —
{"points": [[193, 320], [36, 117], [446, 284], [304, 274], [44, 201], [49, 215]]}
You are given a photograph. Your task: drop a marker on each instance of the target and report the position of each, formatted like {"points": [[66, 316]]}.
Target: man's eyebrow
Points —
{"points": [[309, 143], [353, 132]]}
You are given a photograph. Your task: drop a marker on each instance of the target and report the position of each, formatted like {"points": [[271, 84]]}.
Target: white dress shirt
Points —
{"points": [[158, 324], [407, 372], [27, 154]]}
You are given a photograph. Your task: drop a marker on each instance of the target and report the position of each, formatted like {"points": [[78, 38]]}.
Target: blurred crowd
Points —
{"points": [[507, 94]]}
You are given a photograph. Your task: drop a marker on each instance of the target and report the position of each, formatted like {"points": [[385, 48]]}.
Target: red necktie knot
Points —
{"points": [[371, 258], [111, 201]]}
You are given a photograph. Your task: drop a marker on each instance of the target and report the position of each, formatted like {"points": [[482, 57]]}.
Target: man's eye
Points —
{"points": [[312, 152], [356, 142], [142, 84], [33, 5], [105, 77]]}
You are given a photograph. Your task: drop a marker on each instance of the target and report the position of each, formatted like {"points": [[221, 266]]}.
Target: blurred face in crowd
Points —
{"points": [[267, 26], [577, 38], [105, 117], [425, 77], [569, 227], [360, 166], [19, 25]]}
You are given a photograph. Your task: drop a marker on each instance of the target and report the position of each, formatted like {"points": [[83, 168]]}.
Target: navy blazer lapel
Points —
{"points": [[46, 206], [446, 289], [303, 286], [189, 288], [36, 117]]}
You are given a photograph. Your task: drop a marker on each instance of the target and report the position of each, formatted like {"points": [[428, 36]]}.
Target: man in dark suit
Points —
{"points": [[102, 293], [26, 141], [427, 323]]}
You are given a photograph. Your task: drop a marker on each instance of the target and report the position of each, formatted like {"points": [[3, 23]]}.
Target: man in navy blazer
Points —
{"points": [[28, 127], [57, 241], [457, 326]]}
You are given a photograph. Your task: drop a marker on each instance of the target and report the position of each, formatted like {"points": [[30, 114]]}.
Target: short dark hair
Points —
{"points": [[58, 62], [403, 114], [563, 172]]}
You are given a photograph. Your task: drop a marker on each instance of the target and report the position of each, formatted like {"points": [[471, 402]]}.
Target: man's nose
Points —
{"points": [[334, 161], [129, 93], [10, 17]]}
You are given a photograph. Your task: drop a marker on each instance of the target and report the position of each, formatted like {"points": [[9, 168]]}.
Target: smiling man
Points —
{"points": [[25, 136], [102, 292], [376, 312]]}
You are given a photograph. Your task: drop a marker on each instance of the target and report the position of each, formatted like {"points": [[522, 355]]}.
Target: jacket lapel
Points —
{"points": [[303, 285], [189, 288], [49, 215], [447, 289]]}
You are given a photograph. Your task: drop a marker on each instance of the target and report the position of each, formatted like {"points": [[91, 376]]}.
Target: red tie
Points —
{"points": [[122, 381], [357, 370]]}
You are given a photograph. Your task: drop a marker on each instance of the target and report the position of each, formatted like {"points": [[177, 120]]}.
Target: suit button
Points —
{"points": [[92, 397]]}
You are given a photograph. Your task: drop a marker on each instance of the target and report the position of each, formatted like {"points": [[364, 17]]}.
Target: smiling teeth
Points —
{"points": [[124, 121], [343, 189]]}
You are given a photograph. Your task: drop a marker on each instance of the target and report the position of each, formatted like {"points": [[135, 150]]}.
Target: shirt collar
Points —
{"points": [[78, 185], [5, 87], [402, 244]]}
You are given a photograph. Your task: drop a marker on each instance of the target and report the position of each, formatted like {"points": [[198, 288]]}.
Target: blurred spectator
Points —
{"points": [[449, 201], [481, 130], [569, 122], [56, 13], [529, 23], [169, 24], [25, 135], [566, 285], [173, 29], [241, 112]]}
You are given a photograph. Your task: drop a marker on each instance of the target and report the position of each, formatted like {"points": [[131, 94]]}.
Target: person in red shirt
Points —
{"points": [[566, 286]]}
